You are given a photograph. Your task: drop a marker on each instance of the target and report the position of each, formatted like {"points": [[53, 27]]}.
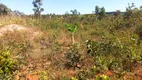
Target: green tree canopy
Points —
{"points": [[4, 10], [97, 10], [37, 7], [74, 12], [102, 12]]}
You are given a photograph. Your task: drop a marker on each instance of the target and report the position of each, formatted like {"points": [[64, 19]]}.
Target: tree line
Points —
{"points": [[37, 4]]}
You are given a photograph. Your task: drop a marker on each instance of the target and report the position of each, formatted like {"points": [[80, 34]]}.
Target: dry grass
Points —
{"points": [[45, 49], [44, 45]]}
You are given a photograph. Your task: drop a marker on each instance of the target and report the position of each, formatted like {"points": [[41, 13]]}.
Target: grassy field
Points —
{"points": [[104, 49]]}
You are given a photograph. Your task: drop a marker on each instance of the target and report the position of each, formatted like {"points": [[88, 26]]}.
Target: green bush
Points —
{"points": [[114, 54], [8, 65], [73, 58]]}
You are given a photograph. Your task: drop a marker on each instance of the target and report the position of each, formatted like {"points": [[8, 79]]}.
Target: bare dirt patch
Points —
{"points": [[32, 33]]}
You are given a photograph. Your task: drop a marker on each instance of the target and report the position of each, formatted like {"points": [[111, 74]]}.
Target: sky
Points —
{"points": [[62, 6]]}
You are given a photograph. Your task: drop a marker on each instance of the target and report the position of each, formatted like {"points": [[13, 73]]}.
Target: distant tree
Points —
{"points": [[66, 13], [74, 12], [117, 13], [37, 7], [4, 10], [17, 13], [102, 12], [97, 10], [140, 7]]}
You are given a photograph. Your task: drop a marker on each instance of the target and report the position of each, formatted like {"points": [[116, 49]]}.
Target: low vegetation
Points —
{"points": [[73, 47]]}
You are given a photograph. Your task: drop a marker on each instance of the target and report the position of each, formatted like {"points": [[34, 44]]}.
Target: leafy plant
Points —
{"points": [[8, 65], [72, 29], [114, 54], [74, 58]]}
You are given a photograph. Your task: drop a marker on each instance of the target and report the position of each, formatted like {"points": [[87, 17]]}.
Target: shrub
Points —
{"points": [[114, 54], [72, 29], [74, 58], [8, 65]]}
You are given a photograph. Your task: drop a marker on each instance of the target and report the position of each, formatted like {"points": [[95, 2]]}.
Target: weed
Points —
{"points": [[113, 55], [72, 30], [8, 65], [74, 58]]}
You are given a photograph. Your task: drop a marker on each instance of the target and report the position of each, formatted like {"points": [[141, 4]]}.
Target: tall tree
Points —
{"points": [[97, 10], [4, 10], [37, 7], [102, 12]]}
